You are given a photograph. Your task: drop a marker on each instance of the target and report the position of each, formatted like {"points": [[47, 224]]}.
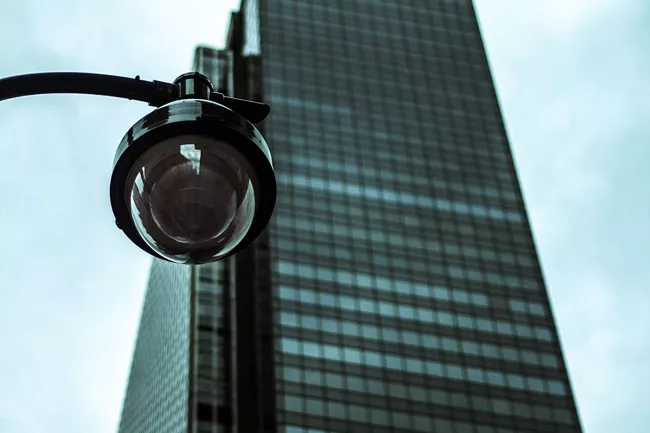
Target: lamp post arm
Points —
{"points": [[155, 93]]}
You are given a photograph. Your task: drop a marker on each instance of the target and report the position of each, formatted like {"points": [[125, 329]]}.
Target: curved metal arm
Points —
{"points": [[155, 93]]}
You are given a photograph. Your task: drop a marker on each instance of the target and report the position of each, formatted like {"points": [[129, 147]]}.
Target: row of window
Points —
{"points": [[355, 76], [352, 355], [452, 151], [441, 60], [382, 17], [459, 51], [448, 148], [471, 132], [463, 140], [445, 106], [369, 172], [423, 293], [458, 144], [396, 250], [347, 328], [416, 240], [451, 120], [305, 103], [450, 270], [412, 231], [398, 197], [428, 316], [303, 200], [443, 167], [398, 175], [452, 230], [418, 423], [383, 265], [391, 254], [450, 181], [461, 105], [407, 264], [391, 147], [485, 206], [416, 394], [379, 25], [461, 87]]}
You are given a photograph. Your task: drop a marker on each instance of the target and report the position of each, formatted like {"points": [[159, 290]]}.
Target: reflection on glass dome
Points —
{"points": [[192, 198]]}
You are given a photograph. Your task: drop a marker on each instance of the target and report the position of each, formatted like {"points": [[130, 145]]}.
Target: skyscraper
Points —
{"points": [[397, 288]]}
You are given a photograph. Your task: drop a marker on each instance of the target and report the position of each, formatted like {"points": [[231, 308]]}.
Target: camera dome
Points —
{"points": [[193, 182], [192, 196]]}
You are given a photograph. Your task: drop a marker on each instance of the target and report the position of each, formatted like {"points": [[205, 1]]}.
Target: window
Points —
{"points": [[289, 319], [390, 335], [414, 366], [355, 384], [379, 416], [454, 372], [374, 359], [411, 338], [292, 403], [334, 380], [292, 374], [315, 407], [311, 349], [516, 381], [333, 353], [351, 329], [501, 407], [353, 356], [359, 413], [434, 368], [336, 410], [557, 388], [290, 346], [394, 362], [445, 318]]}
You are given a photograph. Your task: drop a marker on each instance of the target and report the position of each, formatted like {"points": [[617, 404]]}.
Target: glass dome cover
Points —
{"points": [[192, 198]]}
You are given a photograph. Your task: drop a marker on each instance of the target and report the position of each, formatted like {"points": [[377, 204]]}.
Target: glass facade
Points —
{"points": [[216, 65], [212, 337], [407, 290], [210, 386], [157, 392], [397, 288]]}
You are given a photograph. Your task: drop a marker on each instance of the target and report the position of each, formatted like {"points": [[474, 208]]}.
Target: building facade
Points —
{"points": [[157, 393], [408, 294], [398, 287]]}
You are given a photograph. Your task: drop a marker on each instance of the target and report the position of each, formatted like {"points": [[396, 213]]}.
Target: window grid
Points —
{"points": [[387, 233]]}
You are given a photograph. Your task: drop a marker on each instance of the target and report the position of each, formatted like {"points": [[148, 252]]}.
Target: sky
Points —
{"points": [[572, 78]]}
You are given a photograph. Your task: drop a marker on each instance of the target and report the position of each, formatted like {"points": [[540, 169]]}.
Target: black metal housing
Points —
{"points": [[189, 106], [194, 117]]}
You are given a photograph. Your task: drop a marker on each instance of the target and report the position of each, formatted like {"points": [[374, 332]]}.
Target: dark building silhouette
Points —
{"points": [[397, 288]]}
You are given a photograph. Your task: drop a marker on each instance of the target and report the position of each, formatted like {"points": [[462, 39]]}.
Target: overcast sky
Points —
{"points": [[573, 80]]}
